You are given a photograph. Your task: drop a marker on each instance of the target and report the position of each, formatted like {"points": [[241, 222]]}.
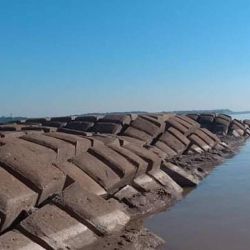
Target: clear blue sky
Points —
{"points": [[61, 57]]}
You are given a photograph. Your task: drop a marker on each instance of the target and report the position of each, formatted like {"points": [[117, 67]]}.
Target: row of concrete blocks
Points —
{"points": [[222, 124], [35, 168], [171, 134]]}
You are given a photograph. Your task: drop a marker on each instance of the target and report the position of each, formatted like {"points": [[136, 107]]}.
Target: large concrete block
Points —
{"points": [[58, 229], [115, 161], [105, 217], [62, 119], [14, 240], [15, 198], [173, 142], [146, 183], [172, 122], [154, 162], [146, 125], [75, 174], [78, 125], [202, 135], [126, 139], [179, 175], [97, 170], [81, 144], [199, 142], [32, 164], [165, 148], [166, 181], [107, 128], [140, 164], [63, 149], [138, 134], [120, 119], [88, 118]]}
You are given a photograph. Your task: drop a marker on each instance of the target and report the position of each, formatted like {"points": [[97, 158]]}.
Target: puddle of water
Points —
{"points": [[216, 215]]}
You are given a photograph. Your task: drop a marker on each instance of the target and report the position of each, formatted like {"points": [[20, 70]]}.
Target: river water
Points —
{"points": [[214, 216]]}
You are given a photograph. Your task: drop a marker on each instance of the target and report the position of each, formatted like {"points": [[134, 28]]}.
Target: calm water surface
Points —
{"points": [[216, 215]]}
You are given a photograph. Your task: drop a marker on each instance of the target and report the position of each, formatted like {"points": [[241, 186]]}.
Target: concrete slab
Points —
{"points": [[165, 148], [15, 198], [115, 161], [199, 142], [165, 180], [105, 217], [119, 119], [145, 183], [32, 164], [97, 170], [106, 128], [173, 142], [126, 139], [14, 240], [78, 125], [140, 165], [179, 175], [200, 133], [138, 134], [154, 162], [146, 125], [81, 144], [75, 174], [57, 228], [63, 149]]}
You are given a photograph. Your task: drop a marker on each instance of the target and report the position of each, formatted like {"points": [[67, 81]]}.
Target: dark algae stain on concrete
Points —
{"points": [[215, 216]]}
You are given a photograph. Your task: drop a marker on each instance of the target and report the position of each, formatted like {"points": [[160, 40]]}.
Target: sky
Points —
{"points": [[61, 57]]}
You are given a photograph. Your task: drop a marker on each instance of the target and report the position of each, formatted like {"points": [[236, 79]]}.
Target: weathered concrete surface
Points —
{"points": [[63, 187], [105, 217], [57, 229], [14, 240]]}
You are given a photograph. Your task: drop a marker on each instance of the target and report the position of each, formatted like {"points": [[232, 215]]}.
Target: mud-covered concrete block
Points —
{"points": [[165, 148], [124, 168], [58, 229], [88, 118], [62, 119], [173, 122], [126, 139], [195, 139], [15, 198], [80, 143], [179, 175], [173, 142], [140, 164], [107, 128], [201, 134], [96, 169], [145, 183], [154, 162], [120, 119], [78, 125], [14, 240], [32, 163], [75, 174], [165, 180], [138, 134], [105, 217]]}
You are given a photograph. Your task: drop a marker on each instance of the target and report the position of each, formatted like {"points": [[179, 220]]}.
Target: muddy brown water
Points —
{"points": [[214, 216]]}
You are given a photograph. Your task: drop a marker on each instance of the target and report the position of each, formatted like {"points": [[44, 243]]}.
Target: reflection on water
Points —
{"points": [[216, 215]]}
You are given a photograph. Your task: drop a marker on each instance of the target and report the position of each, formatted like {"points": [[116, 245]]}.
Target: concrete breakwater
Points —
{"points": [[86, 182]]}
